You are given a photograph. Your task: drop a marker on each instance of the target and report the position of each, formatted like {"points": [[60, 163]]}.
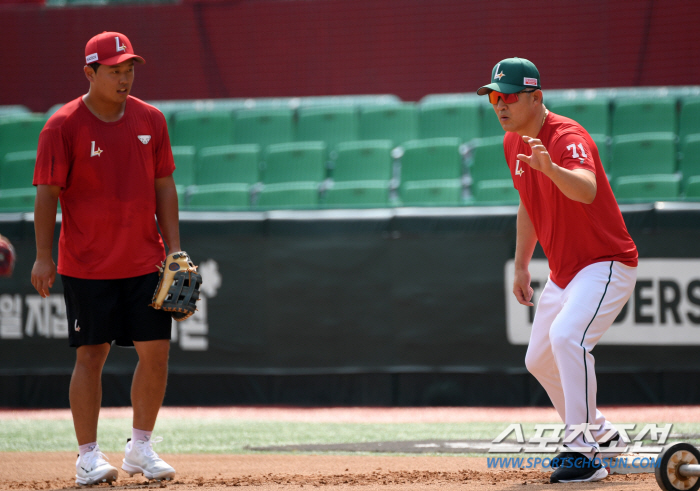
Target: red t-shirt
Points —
{"points": [[573, 235], [107, 175]]}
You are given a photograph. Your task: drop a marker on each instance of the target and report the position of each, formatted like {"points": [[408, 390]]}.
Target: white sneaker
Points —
{"points": [[93, 468], [140, 458]]}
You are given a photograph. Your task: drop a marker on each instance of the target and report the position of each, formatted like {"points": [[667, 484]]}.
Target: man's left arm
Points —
{"points": [[576, 184], [167, 212]]}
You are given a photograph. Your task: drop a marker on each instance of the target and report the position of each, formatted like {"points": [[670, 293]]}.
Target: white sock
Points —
{"points": [[142, 435], [88, 447]]}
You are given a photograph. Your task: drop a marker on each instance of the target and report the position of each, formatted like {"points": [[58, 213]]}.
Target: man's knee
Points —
{"points": [[92, 357], [534, 362], [153, 353], [563, 342]]}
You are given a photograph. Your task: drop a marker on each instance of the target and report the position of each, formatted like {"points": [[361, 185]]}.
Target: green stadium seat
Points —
{"points": [[184, 165], [289, 195], [348, 100], [398, 123], [495, 191], [603, 144], [357, 194], [17, 170], [267, 103], [228, 164], [224, 197], [633, 115], [169, 117], [363, 161], [450, 119], [168, 108], [647, 153], [264, 126], [490, 125], [295, 162], [13, 110], [431, 172], [202, 128], [21, 133], [434, 192], [689, 161], [689, 123], [434, 158], [655, 187], [17, 200], [329, 124], [487, 160], [692, 189], [592, 114], [451, 98]]}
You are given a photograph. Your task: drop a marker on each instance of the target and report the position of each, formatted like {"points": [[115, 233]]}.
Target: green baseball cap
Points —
{"points": [[512, 75]]}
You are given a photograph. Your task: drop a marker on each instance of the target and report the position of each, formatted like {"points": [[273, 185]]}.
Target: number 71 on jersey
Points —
{"points": [[572, 147]]}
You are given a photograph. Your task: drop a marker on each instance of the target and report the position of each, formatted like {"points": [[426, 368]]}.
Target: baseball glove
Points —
{"points": [[178, 286]]}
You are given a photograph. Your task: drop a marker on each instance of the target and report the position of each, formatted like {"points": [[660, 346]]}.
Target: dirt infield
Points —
{"points": [[35, 471], [265, 471]]}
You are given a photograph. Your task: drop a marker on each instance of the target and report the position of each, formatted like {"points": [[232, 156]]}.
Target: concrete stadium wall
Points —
{"points": [[270, 48]]}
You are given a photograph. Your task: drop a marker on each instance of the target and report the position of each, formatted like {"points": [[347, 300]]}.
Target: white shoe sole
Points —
{"points": [[134, 469], [107, 477], [599, 475]]}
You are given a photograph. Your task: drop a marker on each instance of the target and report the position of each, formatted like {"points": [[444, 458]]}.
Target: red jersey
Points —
{"points": [[107, 174], [573, 235]]}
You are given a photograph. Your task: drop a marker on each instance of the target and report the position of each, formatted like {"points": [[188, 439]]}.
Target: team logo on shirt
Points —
{"points": [[144, 138], [94, 152], [518, 170], [120, 47]]}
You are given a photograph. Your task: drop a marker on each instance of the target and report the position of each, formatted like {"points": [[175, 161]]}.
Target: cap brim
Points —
{"points": [[115, 60], [501, 87]]}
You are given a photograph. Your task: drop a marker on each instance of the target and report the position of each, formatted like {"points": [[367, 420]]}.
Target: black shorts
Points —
{"points": [[102, 311]]}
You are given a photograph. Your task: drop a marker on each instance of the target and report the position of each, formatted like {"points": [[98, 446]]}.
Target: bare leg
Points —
{"points": [[150, 379], [86, 390]]}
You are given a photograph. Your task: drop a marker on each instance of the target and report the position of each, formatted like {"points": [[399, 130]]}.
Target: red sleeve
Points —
{"points": [[52, 161], [165, 165], [572, 151]]}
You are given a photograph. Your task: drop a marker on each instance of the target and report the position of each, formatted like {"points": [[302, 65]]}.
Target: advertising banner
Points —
{"points": [[663, 310]]}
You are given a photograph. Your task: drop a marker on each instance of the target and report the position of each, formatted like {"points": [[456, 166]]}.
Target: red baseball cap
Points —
{"points": [[110, 48]]}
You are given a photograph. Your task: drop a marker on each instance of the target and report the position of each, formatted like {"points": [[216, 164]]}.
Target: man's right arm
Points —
{"points": [[44, 270], [524, 247]]}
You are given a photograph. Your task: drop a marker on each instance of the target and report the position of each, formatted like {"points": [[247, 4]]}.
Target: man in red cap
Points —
{"points": [[106, 155]]}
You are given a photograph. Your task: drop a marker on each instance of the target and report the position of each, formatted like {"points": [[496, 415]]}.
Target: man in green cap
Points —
{"points": [[567, 205]]}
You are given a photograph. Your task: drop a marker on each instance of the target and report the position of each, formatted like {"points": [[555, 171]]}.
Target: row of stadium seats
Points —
{"points": [[374, 173], [349, 118], [646, 165], [370, 173], [630, 155], [399, 122]]}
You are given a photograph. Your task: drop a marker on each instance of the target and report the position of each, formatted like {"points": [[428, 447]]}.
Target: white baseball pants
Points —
{"points": [[568, 324]]}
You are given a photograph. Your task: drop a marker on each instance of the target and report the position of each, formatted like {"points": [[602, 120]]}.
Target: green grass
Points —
{"points": [[225, 436], [228, 436]]}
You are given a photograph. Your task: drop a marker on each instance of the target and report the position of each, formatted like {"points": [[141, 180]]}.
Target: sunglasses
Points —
{"points": [[507, 98]]}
